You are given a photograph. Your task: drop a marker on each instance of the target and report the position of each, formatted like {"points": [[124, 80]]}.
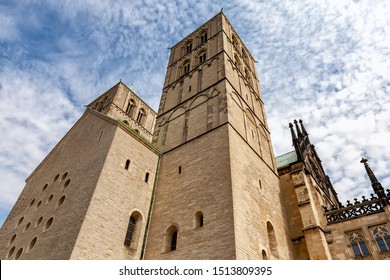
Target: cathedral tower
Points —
{"points": [[218, 191]]}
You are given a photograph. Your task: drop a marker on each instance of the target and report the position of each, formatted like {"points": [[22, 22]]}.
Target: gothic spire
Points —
{"points": [[298, 129], [294, 137], [378, 189], [303, 128]]}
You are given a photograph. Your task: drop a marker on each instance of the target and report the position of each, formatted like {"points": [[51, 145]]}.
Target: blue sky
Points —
{"points": [[325, 62]]}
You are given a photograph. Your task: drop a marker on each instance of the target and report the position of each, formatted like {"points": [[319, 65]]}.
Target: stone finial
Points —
{"points": [[303, 128], [298, 129], [293, 135]]}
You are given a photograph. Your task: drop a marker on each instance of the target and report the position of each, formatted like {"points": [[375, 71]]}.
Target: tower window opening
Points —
{"points": [[130, 107], [140, 116], [130, 231], [146, 177], [179, 169], [199, 219], [203, 37], [202, 57], [186, 68], [189, 89], [127, 164], [189, 48]]}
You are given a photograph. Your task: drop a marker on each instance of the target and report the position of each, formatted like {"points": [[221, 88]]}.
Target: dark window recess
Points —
{"points": [[179, 169], [187, 68], [189, 89], [127, 164], [203, 37], [360, 248], [201, 221], [189, 47], [130, 230], [146, 177], [202, 57], [174, 241]]}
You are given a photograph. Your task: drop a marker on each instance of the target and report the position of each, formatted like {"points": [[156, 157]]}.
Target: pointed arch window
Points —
{"points": [[202, 57], [186, 67], [203, 37], [141, 116], [130, 107], [358, 243], [189, 47], [382, 237]]}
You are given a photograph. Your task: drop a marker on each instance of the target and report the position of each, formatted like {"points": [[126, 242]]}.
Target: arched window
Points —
{"points": [[171, 235], [130, 231], [189, 47], [382, 237], [202, 57], [203, 37], [199, 219], [126, 122], [358, 243], [133, 232], [141, 115], [186, 67], [127, 164], [272, 240], [130, 107], [264, 255]]}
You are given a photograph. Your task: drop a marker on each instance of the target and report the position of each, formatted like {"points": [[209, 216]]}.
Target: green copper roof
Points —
{"points": [[284, 160]]}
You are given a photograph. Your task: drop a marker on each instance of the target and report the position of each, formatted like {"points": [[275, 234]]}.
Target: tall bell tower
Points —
{"points": [[217, 195]]}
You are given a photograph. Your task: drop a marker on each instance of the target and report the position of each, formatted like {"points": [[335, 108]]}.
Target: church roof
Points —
{"points": [[286, 159]]}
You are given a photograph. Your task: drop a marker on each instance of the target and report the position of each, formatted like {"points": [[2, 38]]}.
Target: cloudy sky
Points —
{"points": [[326, 62]]}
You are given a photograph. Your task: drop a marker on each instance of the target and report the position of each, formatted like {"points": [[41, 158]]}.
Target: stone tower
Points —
{"points": [[95, 183], [217, 195]]}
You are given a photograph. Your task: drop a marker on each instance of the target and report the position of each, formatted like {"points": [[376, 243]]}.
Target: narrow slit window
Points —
{"points": [[146, 177], [127, 164], [179, 169], [199, 221]]}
